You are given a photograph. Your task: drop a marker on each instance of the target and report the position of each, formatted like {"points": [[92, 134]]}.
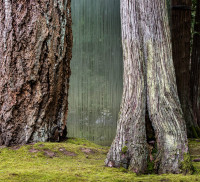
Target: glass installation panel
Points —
{"points": [[97, 67]]}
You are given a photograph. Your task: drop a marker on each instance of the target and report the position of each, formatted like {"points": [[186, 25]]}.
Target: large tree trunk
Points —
{"points": [[149, 82], [181, 36], [35, 53], [195, 67]]}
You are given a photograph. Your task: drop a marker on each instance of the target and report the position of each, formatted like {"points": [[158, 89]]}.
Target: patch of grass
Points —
{"points": [[31, 163]]}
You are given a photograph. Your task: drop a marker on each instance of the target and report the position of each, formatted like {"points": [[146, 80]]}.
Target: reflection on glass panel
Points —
{"points": [[97, 66]]}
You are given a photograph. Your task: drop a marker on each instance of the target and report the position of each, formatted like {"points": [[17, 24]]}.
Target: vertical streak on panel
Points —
{"points": [[97, 66]]}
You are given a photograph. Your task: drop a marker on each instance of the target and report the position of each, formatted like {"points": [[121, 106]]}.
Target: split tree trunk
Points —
{"points": [[35, 53], [195, 67], [149, 82], [181, 36]]}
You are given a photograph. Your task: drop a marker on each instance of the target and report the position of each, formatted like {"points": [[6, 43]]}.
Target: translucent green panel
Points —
{"points": [[97, 66]]}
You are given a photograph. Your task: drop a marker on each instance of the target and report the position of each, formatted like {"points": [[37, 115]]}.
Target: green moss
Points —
{"points": [[124, 149], [150, 167], [23, 166], [186, 165]]}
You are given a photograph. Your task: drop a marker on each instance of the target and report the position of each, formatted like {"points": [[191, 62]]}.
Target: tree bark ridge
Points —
{"points": [[35, 53], [195, 67], [181, 37]]}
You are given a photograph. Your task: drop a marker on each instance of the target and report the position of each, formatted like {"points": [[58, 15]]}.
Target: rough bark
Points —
{"points": [[181, 37], [149, 82], [195, 67], [35, 53]]}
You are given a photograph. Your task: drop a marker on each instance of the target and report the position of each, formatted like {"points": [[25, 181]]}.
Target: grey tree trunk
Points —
{"points": [[35, 53], [181, 37], [195, 66], [149, 82]]}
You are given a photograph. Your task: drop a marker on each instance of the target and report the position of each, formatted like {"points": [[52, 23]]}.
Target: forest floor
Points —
{"points": [[75, 160]]}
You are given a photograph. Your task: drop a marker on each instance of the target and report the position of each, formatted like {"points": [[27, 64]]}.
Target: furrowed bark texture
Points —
{"points": [[129, 147], [181, 36], [195, 67], [35, 53], [149, 81]]}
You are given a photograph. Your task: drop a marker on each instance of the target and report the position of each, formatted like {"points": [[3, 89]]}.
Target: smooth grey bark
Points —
{"points": [[149, 82], [35, 53]]}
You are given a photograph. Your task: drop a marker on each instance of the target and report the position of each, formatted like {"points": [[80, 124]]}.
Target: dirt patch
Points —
{"points": [[33, 150], [194, 150], [104, 152], [13, 174], [87, 150], [33, 143], [49, 153], [164, 180], [16, 147], [41, 145], [196, 160], [67, 153]]}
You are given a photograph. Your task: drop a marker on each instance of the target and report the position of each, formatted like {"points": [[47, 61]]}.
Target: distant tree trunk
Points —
{"points": [[149, 82], [195, 67], [35, 53], [181, 37]]}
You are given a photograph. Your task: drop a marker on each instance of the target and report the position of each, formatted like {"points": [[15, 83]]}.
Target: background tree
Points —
{"points": [[149, 82], [35, 53], [181, 38], [195, 66]]}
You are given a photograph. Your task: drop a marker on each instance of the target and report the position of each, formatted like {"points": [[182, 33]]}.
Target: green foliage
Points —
{"points": [[151, 164], [21, 165], [150, 167], [193, 14]]}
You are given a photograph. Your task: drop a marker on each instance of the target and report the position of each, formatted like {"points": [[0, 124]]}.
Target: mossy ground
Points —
{"points": [[83, 161]]}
